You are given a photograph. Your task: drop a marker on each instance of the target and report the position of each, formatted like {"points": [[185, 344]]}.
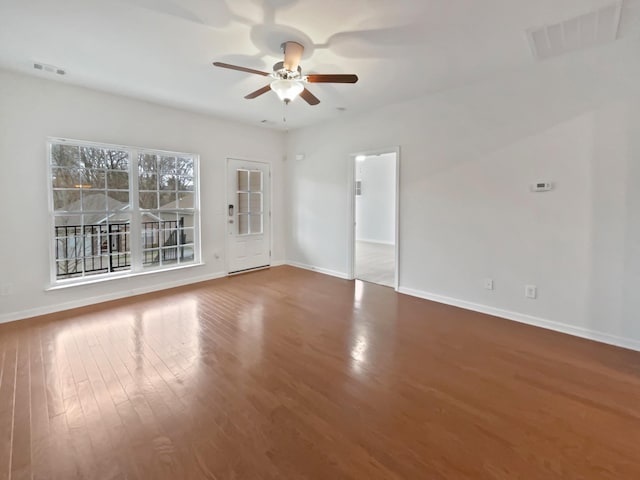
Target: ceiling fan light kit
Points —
{"points": [[288, 80], [287, 90]]}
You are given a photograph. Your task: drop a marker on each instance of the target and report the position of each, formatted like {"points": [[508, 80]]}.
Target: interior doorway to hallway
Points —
{"points": [[375, 215]]}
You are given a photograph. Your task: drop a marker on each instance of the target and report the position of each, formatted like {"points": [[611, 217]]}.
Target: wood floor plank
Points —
{"points": [[21, 443], [40, 434], [286, 373], [7, 402]]}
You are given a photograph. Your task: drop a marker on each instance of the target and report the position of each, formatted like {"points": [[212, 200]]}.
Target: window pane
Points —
{"points": [[65, 155], [168, 182], [105, 158], [186, 219], [66, 200], [65, 177], [117, 180], [91, 179], [170, 255], [167, 164], [117, 200], [94, 202], [167, 216], [256, 181], [243, 203], [168, 200], [148, 181], [243, 224], [187, 253], [187, 235], [256, 223], [185, 183], [185, 200], [95, 242], [151, 257], [97, 264], [149, 200], [68, 268], [150, 235], [147, 163], [243, 180], [256, 203], [169, 233], [67, 220], [184, 166]]}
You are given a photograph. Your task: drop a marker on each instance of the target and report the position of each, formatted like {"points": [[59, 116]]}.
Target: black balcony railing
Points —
{"points": [[93, 249]]}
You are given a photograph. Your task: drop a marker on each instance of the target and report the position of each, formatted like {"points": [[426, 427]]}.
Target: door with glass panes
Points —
{"points": [[248, 215]]}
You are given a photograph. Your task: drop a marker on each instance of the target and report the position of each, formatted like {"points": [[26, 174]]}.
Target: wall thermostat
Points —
{"points": [[541, 187]]}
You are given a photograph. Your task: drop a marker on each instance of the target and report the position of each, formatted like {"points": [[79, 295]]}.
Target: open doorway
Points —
{"points": [[375, 211]]}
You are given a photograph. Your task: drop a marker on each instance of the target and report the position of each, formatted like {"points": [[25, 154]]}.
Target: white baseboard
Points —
{"points": [[528, 319], [278, 263], [325, 271], [34, 312]]}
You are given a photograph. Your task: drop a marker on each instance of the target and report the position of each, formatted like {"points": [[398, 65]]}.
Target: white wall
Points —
{"points": [[375, 209], [32, 109], [467, 159]]}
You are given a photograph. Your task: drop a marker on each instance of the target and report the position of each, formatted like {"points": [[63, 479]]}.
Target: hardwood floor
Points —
{"points": [[288, 374]]}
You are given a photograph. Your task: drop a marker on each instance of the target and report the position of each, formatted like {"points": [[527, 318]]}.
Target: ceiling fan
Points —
{"points": [[288, 81]]}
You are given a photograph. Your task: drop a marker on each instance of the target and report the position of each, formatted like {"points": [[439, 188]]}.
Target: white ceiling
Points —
{"points": [[162, 50]]}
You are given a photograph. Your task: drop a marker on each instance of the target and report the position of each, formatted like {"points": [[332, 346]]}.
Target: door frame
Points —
{"points": [[225, 214], [351, 216]]}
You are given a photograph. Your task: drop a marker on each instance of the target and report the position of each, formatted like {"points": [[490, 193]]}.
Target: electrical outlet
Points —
{"points": [[531, 291], [488, 283]]}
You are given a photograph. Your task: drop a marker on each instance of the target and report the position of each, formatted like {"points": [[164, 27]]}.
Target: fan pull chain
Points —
{"points": [[284, 116]]}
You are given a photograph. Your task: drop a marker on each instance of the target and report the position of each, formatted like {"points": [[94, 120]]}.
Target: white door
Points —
{"points": [[248, 215]]}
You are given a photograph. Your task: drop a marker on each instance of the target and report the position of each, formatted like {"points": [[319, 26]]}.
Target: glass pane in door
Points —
{"points": [[249, 198]]}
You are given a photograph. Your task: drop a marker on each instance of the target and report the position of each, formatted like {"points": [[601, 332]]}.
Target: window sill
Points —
{"points": [[92, 281]]}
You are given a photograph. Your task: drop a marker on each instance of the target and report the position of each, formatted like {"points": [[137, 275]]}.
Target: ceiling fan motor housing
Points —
{"points": [[281, 72], [292, 54]]}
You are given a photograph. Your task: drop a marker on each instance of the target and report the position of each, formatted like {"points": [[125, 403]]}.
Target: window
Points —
{"points": [[250, 189], [120, 210]]}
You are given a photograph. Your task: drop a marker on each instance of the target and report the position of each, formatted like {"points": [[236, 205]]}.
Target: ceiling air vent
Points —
{"points": [[594, 28], [49, 68]]}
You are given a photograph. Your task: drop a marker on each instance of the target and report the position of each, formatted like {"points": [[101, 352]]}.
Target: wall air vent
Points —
{"points": [[597, 27], [49, 68]]}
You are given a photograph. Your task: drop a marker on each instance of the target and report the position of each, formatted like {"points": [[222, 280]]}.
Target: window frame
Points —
{"points": [[137, 266]]}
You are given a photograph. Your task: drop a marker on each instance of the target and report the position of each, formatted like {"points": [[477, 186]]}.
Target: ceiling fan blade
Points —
{"points": [[240, 69], [292, 54], [332, 78], [309, 97], [259, 92]]}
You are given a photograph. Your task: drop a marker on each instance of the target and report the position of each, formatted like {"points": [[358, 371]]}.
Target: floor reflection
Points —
{"points": [[149, 346], [359, 332], [357, 293], [371, 345], [249, 344]]}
